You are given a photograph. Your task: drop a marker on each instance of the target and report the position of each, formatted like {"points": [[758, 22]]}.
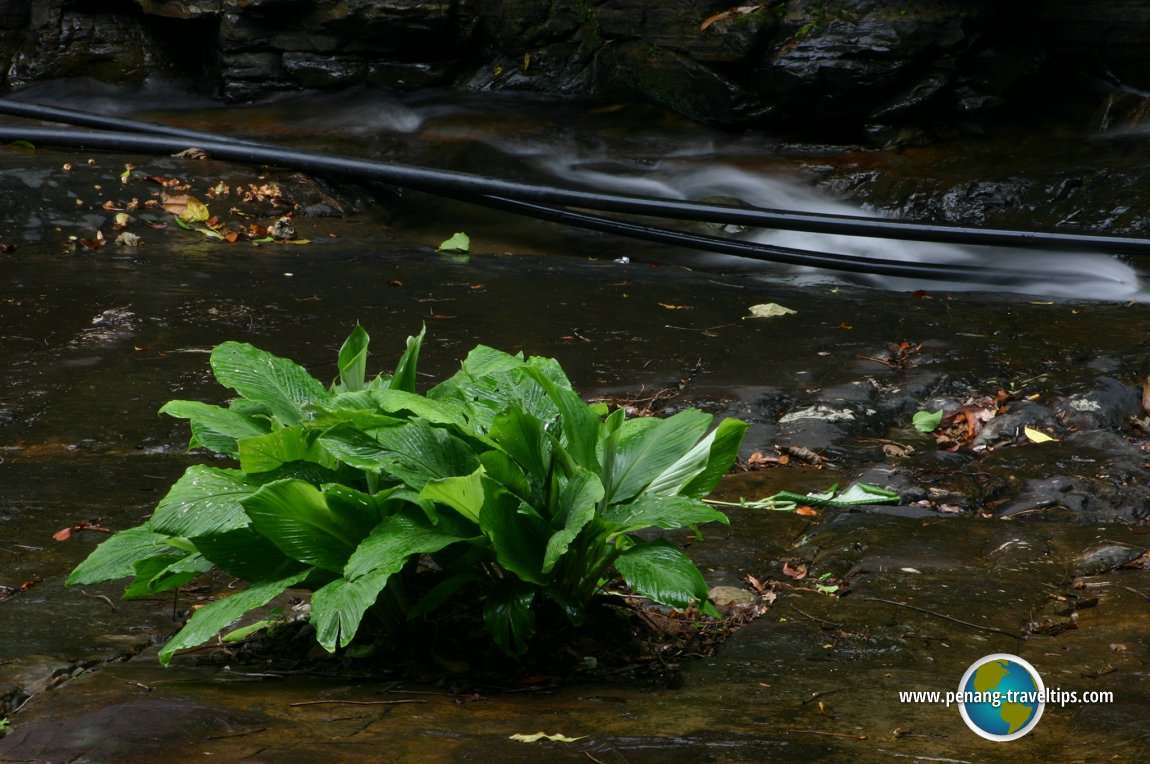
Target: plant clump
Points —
{"points": [[498, 489]]}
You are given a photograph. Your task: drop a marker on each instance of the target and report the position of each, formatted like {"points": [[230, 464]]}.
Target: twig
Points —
{"points": [[99, 597], [818, 695], [945, 617], [847, 735], [355, 702], [1135, 591], [592, 758], [816, 618]]}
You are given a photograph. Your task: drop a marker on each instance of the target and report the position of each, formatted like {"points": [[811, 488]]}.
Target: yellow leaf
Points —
{"points": [[544, 736], [187, 208], [669, 306], [769, 310], [1037, 436]]}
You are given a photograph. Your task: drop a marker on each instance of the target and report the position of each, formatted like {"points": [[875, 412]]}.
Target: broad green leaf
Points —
{"points": [[337, 609], [282, 385], [518, 534], [437, 412], [660, 571], [646, 450], [521, 436], [211, 619], [356, 509], [165, 572], [503, 470], [404, 376], [393, 542], [204, 500], [264, 453], [697, 471], [580, 423], [509, 618], [295, 516], [653, 510], [463, 493], [116, 556], [865, 493], [577, 501], [353, 360], [925, 421], [247, 554], [414, 452], [227, 423]]}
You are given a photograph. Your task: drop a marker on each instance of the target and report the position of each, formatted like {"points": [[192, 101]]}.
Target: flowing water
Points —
{"points": [[639, 151], [93, 342]]}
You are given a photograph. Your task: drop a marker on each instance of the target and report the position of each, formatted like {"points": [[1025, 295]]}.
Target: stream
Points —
{"points": [[1003, 544]]}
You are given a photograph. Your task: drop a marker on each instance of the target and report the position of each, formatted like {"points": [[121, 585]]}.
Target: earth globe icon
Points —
{"points": [[1001, 697]]}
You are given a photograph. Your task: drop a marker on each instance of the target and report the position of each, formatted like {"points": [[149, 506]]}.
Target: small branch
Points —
{"points": [[816, 618], [847, 735], [355, 702], [945, 617]]}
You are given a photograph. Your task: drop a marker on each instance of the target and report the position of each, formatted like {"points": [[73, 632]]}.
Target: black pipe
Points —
{"points": [[361, 169], [437, 181]]}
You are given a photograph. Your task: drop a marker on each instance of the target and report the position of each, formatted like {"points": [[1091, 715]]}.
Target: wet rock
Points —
{"points": [[724, 596], [1109, 406], [1105, 556], [1039, 496], [1007, 428]]}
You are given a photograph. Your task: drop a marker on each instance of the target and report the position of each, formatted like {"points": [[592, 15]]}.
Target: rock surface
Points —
{"points": [[893, 71]]}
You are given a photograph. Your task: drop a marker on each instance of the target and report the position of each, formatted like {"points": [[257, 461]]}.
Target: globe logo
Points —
{"points": [[1001, 697]]}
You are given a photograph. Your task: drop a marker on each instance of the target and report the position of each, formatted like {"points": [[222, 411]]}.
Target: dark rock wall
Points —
{"points": [[889, 67]]}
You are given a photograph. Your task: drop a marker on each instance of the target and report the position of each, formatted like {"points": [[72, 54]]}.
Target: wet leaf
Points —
{"points": [[676, 307], [1037, 436], [729, 14], [191, 153], [806, 511], [459, 243], [926, 421], [556, 738], [797, 571], [769, 310], [63, 534], [186, 208]]}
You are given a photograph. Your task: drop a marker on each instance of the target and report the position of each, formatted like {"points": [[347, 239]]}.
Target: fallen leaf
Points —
{"points": [[460, 242], [926, 421], [187, 208], [806, 511], [1037, 436], [544, 736], [676, 307], [769, 310], [729, 14], [63, 534], [796, 572]]}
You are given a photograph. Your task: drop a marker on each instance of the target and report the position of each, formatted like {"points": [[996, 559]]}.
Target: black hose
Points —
{"points": [[365, 170], [441, 181]]}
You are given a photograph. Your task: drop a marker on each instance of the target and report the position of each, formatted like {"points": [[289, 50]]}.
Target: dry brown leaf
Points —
{"points": [[729, 14]]}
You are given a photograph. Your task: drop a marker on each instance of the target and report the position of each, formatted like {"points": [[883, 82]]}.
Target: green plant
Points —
{"points": [[518, 492], [926, 421]]}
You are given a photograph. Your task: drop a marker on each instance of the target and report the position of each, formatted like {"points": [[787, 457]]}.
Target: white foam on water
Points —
{"points": [[1035, 272]]}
